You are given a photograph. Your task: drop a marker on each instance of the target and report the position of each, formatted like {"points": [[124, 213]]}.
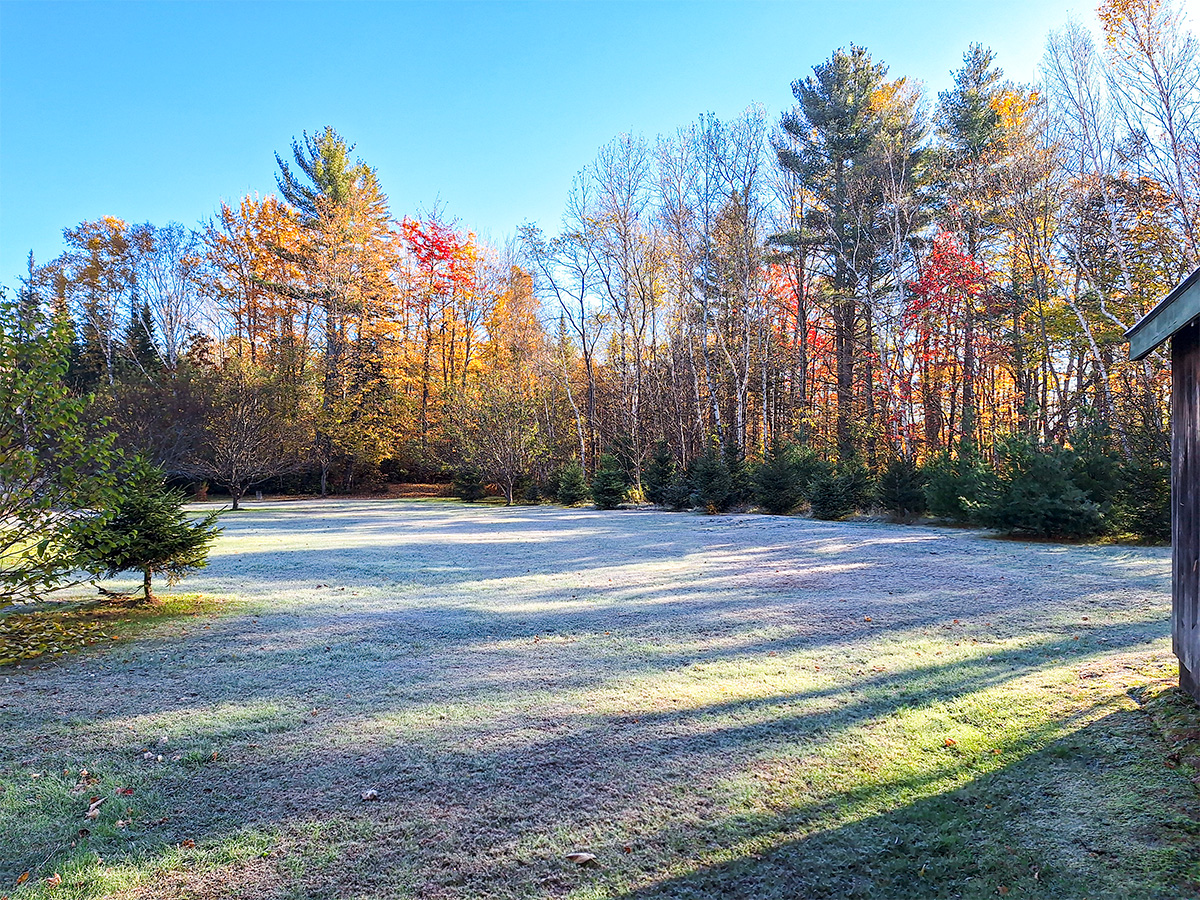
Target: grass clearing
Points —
{"points": [[737, 706]]}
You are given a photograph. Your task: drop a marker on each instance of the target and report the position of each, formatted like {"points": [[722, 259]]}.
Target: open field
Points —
{"points": [[730, 706]]}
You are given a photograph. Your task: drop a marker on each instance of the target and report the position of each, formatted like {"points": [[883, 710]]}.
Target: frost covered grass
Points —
{"points": [[731, 706]]}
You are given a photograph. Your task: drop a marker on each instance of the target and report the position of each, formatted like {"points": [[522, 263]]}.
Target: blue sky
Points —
{"points": [[159, 111]]}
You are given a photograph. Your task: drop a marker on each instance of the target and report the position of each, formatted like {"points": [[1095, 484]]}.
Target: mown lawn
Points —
{"points": [[714, 707]]}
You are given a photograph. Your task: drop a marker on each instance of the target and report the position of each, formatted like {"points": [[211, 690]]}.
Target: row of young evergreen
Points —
{"points": [[1084, 489]]}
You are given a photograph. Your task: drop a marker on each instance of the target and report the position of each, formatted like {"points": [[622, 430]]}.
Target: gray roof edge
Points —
{"points": [[1169, 315]]}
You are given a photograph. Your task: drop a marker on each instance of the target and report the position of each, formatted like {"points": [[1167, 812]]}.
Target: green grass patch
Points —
{"points": [[52, 629]]}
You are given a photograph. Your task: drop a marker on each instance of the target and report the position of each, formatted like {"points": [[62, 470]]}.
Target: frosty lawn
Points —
{"points": [[730, 706]]}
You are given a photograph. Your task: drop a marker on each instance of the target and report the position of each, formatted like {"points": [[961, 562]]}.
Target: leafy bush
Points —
{"points": [[902, 489], [468, 485], [712, 483], [572, 484], [781, 483], [955, 486], [609, 486], [659, 475], [1034, 493]]}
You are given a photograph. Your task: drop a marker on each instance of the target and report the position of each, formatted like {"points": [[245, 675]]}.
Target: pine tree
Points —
{"points": [[659, 475], [572, 485], [902, 489], [468, 484], [609, 486], [782, 481], [712, 483], [149, 531]]}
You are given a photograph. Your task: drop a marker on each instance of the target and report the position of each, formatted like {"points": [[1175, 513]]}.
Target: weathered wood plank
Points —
{"points": [[1175, 311], [1185, 503]]}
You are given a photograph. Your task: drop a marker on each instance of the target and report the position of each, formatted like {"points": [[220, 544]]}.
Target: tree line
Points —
{"points": [[879, 280]]}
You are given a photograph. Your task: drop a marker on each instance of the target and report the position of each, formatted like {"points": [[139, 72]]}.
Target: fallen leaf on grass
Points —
{"points": [[188, 843], [866, 618], [370, 796], [583, 859], [950, 742], [1002, 890], [94, 807], [54, 880], [24, 877]]}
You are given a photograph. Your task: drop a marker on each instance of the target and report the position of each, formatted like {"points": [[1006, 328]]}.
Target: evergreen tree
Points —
{"points": [[955, 485], [1096, 467], [572, 485], [832, 131], [781, 483], [741, 476], [902, 489], [1035, 494], [609, 485], [677, 495], [831, 496], [58, 476], [712, 483], [468, 484], [659, 474], [141, 352], [1144, 501], [150, 532]]}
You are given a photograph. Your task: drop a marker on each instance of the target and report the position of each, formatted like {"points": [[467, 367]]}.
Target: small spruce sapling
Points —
{"points": [[659, 475], [902, 489], [781, 483], [609, 486], [149, 531], [713, 489], [572, 485], [468, 484]]}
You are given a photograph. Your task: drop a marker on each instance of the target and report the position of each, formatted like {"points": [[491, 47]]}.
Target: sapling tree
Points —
{"points": [[57, 475], [149, 531]]}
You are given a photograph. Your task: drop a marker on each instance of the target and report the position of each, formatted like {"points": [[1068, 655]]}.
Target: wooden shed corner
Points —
{"points": [[1177, 319]]}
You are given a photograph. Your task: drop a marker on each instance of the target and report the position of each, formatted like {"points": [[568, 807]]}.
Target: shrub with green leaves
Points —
{"points": [[609, 485], [902, 489]]}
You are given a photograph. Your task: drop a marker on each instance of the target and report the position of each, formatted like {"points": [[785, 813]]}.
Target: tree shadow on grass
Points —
{"points": [[479, 738], [1083, 817]]}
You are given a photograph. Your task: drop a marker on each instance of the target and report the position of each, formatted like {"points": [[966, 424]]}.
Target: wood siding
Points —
{"points": [[1185, 504]]}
